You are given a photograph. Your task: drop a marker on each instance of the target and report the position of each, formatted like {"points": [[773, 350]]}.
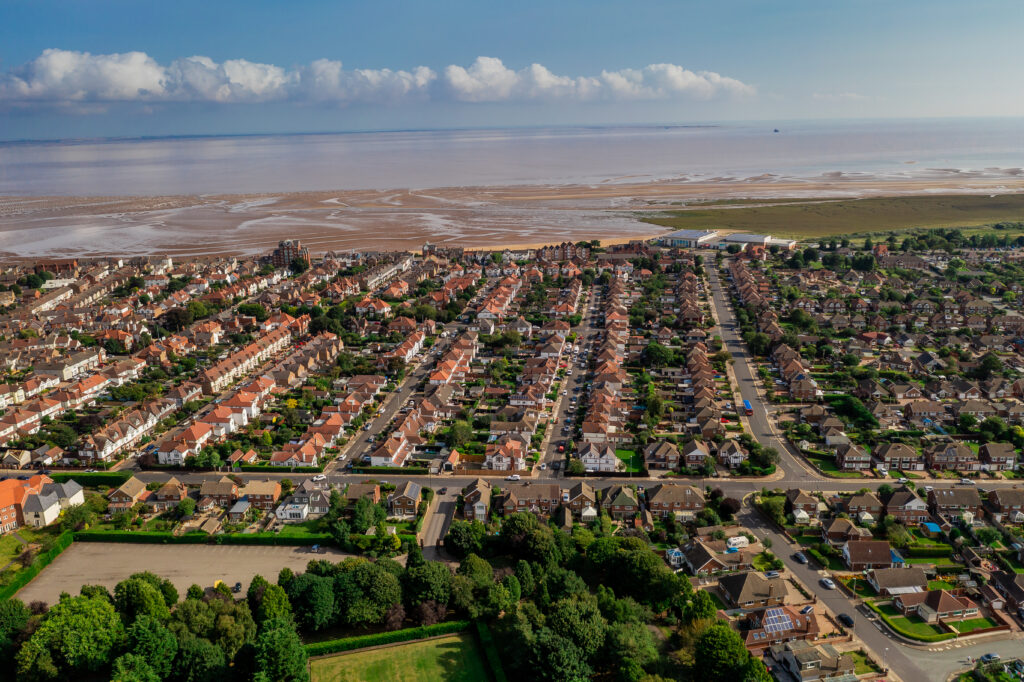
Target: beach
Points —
{"points": [[405, 219]]}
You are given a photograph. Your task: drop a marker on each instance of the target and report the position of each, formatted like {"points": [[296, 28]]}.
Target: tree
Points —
{"points": [[136, 596], [280, 655], [430, 582], [478, 570], [177, 319], [59, 648], [700, 606], [153, 642], [579, 621], [464, 538], [298, 265], [365, 591], [312, 598], [133, 668], [728, 507], [630, 647], [198, 660], [459, 434], [186, 508], [557, 659], [719, 654]]}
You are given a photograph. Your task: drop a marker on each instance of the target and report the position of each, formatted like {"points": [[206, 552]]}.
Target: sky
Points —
{"points": [[128, 68]]}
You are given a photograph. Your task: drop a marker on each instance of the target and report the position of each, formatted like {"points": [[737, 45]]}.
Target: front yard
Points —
{"points": [[633, 460], [912, 624], [973, 624]]}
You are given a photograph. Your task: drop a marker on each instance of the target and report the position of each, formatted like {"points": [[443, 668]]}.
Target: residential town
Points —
{"points": [[821, 438]]}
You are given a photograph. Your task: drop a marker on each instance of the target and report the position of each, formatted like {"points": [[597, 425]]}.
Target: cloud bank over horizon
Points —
{"points": [[85, 82]]}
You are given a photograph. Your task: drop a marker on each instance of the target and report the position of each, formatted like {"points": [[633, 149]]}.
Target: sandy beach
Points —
{"points": [[403, 219]]}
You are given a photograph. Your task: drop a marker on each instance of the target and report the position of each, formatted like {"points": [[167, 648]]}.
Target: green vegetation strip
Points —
{"points": [[490, 651], [199, 538], [333, 646], [110, 479], [909, 634], [854, 216], [24, 577]]}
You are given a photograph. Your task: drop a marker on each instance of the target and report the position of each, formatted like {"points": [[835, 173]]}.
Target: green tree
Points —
{"points": [[198, 660], [459, 434], [133, 668], [701, 605], [630, 647], [77, 636], [478, 570], [149, 639], [312, 598], [579, 621], [431, 581], [136, 596], [365, 591], [464, 538], [719, 654], [280, 655], [186, 508], [558, 659]]}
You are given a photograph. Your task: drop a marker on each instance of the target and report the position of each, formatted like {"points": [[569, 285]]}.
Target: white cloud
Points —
{"points": [[63, 77]]}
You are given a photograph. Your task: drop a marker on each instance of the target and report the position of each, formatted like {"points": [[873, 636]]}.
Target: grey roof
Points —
{"points": [[62, 490], [39, 503]]}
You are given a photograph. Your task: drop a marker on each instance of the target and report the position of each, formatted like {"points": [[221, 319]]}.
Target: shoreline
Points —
{"points": [[518, 216]]}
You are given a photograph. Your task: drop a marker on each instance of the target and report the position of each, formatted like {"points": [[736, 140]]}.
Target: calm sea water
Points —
{"points": [[420, 159]]}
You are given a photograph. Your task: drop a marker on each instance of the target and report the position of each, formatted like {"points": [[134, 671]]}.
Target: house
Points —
{"points": [[799, 500], [405, 501], [291, 510], [40, 509], [127, 495], [702, 559], [899, 457], [776, 625], [239, 510], [955, 456], [1006, 505], [805, 662], [673, 499], [661, 455], [692, 455], [889, 582], [538, 498], [954, 501], [580, 498], [620, 501], [476, 498], [600, 457], [223, 493], [1011, 587], [864, 554], [997, 456], [261, 494], [168, 495], [356, 491], [731, 454], [906, 507], [936, 606], [752, 590], [840, 530]]}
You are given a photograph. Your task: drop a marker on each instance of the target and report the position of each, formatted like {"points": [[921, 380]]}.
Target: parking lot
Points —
{"points": [[101, 563]]}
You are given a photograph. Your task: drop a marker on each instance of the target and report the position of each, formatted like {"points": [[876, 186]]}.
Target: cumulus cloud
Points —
{"points": [[63, 77]]}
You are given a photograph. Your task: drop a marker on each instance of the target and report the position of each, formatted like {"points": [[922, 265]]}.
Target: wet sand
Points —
{"points": [[403, 219]]}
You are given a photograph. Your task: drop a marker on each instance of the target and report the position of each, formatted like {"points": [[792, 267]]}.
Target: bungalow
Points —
{"points": [[936, 606], [888, 582], [864, 554], [752, 590]]}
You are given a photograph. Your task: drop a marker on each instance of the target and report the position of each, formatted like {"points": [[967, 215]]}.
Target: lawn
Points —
{"points": [[855, 216], [452, 659], [940, 585], [974, 624], [633, 460], [860, 587], [863, 665], [913, 624], [1011, 559], [828, 467]]}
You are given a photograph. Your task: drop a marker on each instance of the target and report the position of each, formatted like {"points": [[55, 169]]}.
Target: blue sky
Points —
{"points": [[74, 68]]}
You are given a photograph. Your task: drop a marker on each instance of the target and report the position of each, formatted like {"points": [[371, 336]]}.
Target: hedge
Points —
{"points": [[141, 537], [941, 552], [43, 560], [906, 633], [395, 471], [269, 469], [818, 557], [333, 646], [490, 651], [273, 539], [111, 479]]}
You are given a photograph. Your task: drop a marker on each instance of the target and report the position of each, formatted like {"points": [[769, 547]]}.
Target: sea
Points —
{"points": [[588, 155]]}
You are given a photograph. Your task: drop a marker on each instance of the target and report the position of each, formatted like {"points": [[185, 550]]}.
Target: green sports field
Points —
{"points": [[810, 219], [455, 658]]}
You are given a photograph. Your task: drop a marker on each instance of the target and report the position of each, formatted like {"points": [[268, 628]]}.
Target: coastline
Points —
{"points": [[404, 219]]}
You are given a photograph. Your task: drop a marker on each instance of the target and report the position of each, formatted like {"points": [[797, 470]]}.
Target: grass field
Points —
{"points": [[854, 216], [450, 659]]}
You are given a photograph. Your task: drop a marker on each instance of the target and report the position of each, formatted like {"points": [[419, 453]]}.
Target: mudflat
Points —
{"points": [[404, 219]]}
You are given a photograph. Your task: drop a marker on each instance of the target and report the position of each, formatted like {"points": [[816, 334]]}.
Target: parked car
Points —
{"points": [[846, 619], [828, 584], [513, 477], [807, 609], [966, 481], [319, 477], [771, 574], [989, 658], [543, 466], [237, 587], [904, 480], [800, 558]]}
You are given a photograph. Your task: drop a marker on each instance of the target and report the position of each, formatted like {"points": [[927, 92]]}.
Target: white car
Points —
{"points": [[513, 477], [827, 582], [319, 477]]}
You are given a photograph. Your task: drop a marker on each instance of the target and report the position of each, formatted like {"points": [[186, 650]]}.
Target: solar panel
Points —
{"points": [[776, 620]]}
